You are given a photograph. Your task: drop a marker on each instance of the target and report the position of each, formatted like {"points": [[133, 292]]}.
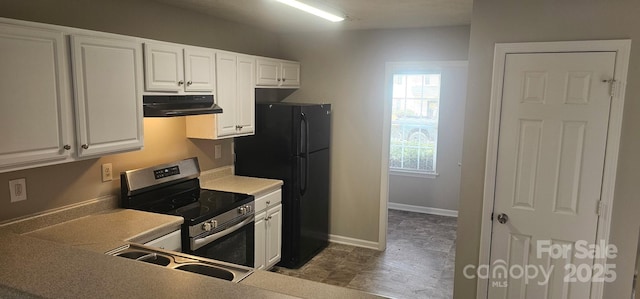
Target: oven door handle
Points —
{"points": [[197, 243]]}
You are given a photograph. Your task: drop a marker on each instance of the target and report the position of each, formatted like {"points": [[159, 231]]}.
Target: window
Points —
{"points": [[414, 122]]}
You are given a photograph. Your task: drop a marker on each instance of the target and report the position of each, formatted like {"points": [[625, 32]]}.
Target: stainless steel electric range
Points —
{"points": [[217, 225]]}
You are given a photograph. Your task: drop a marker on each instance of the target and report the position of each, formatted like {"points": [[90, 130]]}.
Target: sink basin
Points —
{"points": [[146, 257], [207, 270], [183, 262]]}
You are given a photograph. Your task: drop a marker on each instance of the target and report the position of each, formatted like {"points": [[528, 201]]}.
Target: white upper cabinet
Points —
{"points": [[235, 80], [199, 69], [277, 73], [174, 68], [267, 72], [246, 98], [227, 76], [290, 74], [107, 77], [35, 107], [164, 69]]}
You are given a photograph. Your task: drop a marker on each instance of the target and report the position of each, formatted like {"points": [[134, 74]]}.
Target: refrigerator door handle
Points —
{"points": [[303, 188]]}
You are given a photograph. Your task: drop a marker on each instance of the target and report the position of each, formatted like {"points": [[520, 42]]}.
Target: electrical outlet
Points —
{"points": [[107, 172], [218, 151], [18, 189]]}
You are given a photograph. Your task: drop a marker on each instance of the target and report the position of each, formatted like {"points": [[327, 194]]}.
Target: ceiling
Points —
{"points": [[361, 14]]}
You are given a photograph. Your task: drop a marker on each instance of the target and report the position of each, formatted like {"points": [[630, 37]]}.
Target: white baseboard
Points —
{"points": [[353, 242], [420, 209]]}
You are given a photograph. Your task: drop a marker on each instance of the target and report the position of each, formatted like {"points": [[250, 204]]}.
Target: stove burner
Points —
{"points": [[181, 201], [192, 211]]}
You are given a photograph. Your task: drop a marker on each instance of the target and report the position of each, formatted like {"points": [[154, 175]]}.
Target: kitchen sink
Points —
{"points": [[208, 271], [183, 262], [152, 258]]}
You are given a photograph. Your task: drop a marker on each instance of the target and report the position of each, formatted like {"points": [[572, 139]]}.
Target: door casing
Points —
{"points": [[622, 48]]}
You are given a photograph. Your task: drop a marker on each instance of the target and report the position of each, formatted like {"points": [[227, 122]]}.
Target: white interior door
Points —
{"points": [[552, 141]]}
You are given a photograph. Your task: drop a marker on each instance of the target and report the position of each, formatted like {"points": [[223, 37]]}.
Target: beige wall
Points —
{"points": [[55, 186], [145, 18], [443, 191], [347, 70], [59, 185], [522, 21]]}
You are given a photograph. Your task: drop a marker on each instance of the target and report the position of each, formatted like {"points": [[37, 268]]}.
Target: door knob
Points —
{"points": [[503, 218]]}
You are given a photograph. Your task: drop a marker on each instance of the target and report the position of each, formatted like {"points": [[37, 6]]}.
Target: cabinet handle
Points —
{"points": [[180, 83], [189, 83], [269, 218], [283, 79], [85, 146], [268, 202], [67, 147], [279, 79]]}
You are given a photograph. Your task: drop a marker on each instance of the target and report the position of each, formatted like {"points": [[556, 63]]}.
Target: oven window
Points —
{"points": [[236, 248]]}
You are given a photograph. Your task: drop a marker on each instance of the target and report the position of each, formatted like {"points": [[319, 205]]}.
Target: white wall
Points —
{"points": [[443, 191], [496, 21], [347, 70]]}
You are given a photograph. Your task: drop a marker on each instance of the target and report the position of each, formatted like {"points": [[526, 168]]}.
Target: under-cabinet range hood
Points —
{"points": [[179, 105]]}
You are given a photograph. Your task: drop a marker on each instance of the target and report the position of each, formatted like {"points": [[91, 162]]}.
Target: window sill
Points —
{"points": [[415, 174]]}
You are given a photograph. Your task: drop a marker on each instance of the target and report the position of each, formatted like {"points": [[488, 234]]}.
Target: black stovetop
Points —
{"points": [[209, 204], [188, 200]]}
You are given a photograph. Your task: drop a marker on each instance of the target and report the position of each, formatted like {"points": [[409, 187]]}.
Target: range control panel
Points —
{"points": [[166, 172]]}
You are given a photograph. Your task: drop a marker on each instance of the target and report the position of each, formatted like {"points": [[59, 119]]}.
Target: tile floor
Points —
{"points": [[418, 262]]}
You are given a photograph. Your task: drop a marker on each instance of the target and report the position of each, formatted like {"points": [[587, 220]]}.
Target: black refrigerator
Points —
{"points": [[291, 143]]}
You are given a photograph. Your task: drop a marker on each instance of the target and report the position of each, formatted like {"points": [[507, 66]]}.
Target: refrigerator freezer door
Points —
{"points": [[316, 120]]}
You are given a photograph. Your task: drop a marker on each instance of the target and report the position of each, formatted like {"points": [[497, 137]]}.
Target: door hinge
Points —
{"points": [[491, 216], [614, 87], [600, 207]]}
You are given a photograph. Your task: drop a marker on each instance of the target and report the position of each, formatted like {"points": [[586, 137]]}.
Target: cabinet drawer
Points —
{"points": [[273, 198]]}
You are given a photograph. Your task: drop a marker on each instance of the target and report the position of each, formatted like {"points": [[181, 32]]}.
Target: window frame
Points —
{"points": [[417, 68]]}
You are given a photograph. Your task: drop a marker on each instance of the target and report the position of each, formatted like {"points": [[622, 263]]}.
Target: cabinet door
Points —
{"points": [[246, 100], [226, 76], [267, 72], [290, 74], [107, 77], [274, 235], [35, 116], [199, 69], [163, 68], [260, 241]]}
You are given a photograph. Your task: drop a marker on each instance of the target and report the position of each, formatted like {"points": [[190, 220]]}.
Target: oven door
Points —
{"points": [[234, 244]]}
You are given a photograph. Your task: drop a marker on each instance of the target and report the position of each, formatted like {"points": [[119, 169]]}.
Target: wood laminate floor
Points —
{"points": [[418, 262]]}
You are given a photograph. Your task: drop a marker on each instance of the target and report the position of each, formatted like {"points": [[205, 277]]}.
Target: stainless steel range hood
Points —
{"points": [[179, 105]]}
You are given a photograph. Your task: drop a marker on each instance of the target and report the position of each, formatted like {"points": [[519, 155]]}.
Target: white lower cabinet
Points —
{"points": [[268, 230], [171, 241]]}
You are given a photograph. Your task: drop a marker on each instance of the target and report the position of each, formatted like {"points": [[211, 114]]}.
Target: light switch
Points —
{"points": [[18, 189]]}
